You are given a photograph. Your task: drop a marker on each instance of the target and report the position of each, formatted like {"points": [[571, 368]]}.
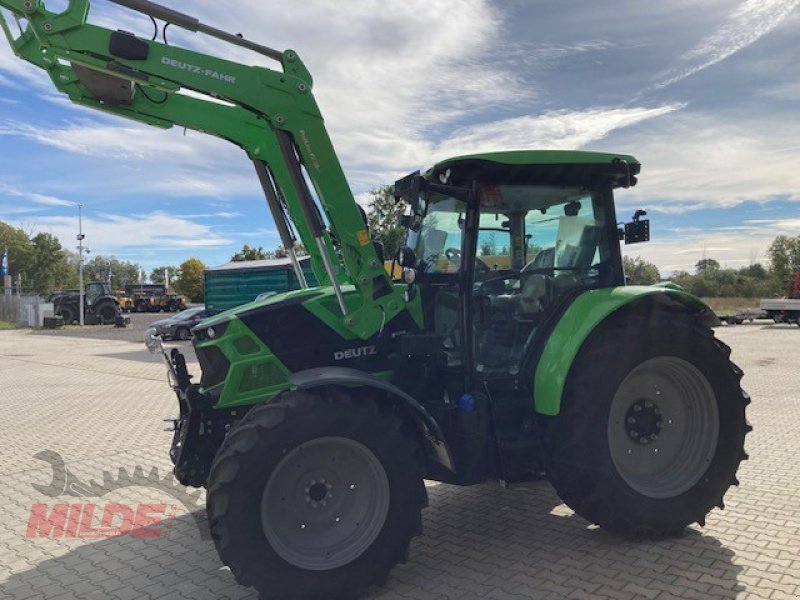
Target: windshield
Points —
{"points": [[188, 313], [437, 242], [522, 228]]}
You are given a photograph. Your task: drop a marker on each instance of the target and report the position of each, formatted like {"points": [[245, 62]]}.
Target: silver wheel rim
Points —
{"points": [[663, 427], [325, 503]]}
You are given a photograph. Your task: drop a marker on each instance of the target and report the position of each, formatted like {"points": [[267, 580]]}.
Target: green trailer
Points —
{"points": [[236, 283]]}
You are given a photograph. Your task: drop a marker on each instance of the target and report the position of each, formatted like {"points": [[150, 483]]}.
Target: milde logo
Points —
{"points": [[90, 520]]}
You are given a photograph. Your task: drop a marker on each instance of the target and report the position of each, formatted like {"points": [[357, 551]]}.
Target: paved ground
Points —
{"points": [[97, 403]]}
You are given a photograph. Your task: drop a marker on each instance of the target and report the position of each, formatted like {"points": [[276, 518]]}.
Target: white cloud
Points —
{"points": [[43, 199], [107, 234], [392, 79], [750, 21], [552, 130], [700, 160], [140, 159]]}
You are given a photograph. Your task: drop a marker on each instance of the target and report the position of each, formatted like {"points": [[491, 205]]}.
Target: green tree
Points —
{"points": [[487, 246], [639, 271], [122, 272], [20, 250], [248, 253], [166, 275], [784, 258], [706, 264], [191, 281], [384, 218], [48, 265], [280, 251], [756, 271]]}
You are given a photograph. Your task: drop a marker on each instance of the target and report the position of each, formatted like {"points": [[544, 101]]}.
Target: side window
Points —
{"points": [[494, 242], [438, 243], [570, 239], [93, 292]]}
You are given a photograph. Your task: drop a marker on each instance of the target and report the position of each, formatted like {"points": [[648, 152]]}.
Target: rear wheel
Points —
{"points": [[649, 443], [316, 496], [107, 313]]}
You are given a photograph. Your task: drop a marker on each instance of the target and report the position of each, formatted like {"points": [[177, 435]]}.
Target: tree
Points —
{"points": [[166, 275], [639, 271], [706, 264], [248, 253], [191, 281], [122, 272], [41, 262], [280, 251], [784, 257], [384, 218], [48, 266], [20, 250], [756, 271]]}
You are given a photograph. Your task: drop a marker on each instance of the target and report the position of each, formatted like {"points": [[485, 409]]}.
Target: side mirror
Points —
{"points": [[406, 257], [638, 230], [408, 189]]}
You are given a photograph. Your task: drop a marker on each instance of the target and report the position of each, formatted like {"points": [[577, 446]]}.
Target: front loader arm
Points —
{"points": [[272, 115]]}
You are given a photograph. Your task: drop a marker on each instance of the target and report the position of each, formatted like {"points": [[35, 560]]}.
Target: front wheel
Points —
{"points": [[316, 496], [652, 427], [67, 314]]}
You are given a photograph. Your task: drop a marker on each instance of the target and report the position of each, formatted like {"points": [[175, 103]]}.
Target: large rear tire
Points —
{"points": [[316, 496], [651, 429], [107, 313]]}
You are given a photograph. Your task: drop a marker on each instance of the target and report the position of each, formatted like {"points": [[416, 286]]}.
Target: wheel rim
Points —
{"points": [[325, 503], [663, 427]]}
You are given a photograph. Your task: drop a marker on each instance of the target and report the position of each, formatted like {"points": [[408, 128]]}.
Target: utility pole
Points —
{"points": [[80, 264]]}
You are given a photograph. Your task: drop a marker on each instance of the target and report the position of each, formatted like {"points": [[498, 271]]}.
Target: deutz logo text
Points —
{"points": [[199, 70], [354, 352]]}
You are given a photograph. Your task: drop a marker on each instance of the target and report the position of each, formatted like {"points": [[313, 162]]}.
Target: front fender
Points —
{"points": [[582, 317], [436, 446]]}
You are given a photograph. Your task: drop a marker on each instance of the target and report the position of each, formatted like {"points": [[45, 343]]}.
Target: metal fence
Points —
{"points": [[25, 311]]}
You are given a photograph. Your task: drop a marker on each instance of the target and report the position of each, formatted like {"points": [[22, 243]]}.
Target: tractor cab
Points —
{"points": [[95, 291], [500, 244]]}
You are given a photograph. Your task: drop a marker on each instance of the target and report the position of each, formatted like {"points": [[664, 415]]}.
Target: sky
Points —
{"points": [[705, 93]]}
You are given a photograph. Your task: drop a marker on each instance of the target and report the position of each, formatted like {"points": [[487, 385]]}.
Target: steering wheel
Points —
{"points": [[454, 255]]}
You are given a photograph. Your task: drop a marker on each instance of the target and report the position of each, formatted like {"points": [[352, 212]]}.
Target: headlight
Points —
{"points": [[212, 332]]}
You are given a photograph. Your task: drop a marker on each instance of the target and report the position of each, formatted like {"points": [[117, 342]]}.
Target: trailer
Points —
{"points": [[782, 310], [235, 283]]}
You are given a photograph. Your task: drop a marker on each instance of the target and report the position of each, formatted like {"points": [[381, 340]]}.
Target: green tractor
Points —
{"points": [[510, 350]]}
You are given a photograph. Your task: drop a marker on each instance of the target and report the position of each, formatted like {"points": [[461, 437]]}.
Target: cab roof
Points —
{"points": [[539, 166]]}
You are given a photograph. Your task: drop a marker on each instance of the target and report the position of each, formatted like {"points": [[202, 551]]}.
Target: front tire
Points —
{"points": [[68, 315], [649, 438], [183, 334], [316, 496]]}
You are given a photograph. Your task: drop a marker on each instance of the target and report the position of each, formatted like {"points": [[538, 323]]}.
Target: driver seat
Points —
{"points": [[535, 294]]}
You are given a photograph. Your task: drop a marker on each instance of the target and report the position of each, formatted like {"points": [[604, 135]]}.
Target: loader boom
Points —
{"points": [[271, 114]]}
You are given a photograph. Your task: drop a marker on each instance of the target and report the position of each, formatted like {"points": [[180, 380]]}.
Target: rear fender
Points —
{"points": [[436, 447], [588, 311]]}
